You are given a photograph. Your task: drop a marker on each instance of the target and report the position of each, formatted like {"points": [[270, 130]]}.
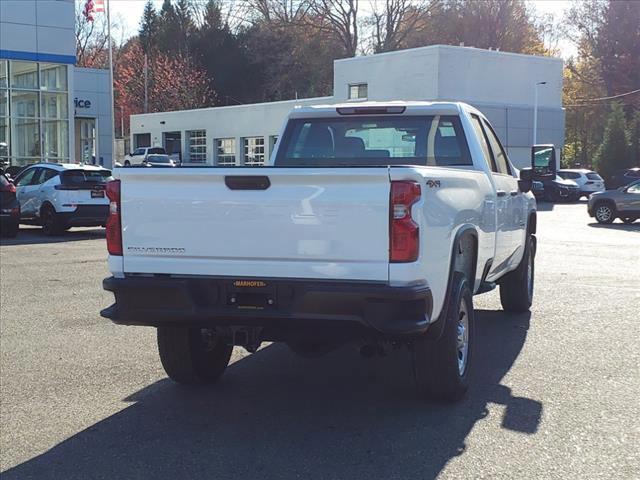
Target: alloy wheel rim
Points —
{"points": [[603, 213], [463, 337]]}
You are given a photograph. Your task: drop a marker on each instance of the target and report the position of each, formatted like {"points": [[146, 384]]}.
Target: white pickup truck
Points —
{"points": [[373, 221]]}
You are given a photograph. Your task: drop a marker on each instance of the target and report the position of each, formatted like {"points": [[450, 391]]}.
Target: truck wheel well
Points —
{"points": [[533, 222], [466, 257]]}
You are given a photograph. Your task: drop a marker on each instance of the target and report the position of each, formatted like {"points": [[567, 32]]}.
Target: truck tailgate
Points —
{"points": [[316, 223]]}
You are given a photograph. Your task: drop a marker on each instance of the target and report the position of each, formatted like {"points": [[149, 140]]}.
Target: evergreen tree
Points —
{"points": [[168, 29], [148, 31], [634, 140], [613, 154]]}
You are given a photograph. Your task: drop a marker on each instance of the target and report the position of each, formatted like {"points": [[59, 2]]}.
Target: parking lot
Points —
{"points": [[555, 393]]}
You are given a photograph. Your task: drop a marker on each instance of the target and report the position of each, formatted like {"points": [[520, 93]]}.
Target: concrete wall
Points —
{"points": [[38, 27], [390, 76], [93, 85]]}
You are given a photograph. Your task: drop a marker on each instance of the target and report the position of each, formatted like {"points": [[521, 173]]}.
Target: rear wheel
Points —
{"points": [[11, 231], [192, 356], [441, 367], [604, 213], [51, 222], [628, 220], [516, 288]]}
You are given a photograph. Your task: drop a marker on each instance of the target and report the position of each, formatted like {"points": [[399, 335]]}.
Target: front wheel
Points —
{"points": [[127, 163], [604, 213], [516, 287], [441, 367], [192, 356]]}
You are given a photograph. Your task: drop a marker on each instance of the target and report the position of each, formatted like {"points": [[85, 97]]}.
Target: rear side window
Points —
{"points": [[499, 155], [436, 140], [81, 177], [593, 176], [47, 175], [486, 153]]}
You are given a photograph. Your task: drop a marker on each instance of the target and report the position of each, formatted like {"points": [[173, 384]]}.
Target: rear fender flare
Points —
{"points": [[465, 231]]}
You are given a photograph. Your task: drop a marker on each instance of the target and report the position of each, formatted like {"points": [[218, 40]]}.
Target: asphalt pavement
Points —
{"points": [[555, 393]]}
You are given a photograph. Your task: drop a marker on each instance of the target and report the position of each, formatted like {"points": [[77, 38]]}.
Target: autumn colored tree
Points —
{"points": [[174, 83]]}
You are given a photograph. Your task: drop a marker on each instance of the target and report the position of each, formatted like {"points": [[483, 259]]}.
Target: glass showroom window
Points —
{"points": [[197, 146], [358, 91], [34, 111], [226, 152], [254, 151], [4, 115]]}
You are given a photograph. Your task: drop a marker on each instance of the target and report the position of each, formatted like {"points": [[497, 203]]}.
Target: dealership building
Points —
{"points": [[50, 110], [501, 85]]}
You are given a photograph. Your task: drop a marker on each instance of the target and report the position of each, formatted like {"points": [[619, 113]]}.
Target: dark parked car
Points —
{"points": [[623, 203], [9, 208], [623, 177], [561, 190], [537, 188]]}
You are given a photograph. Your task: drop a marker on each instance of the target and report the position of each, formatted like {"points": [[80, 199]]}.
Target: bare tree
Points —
{"points": [[91, 40], [396, 19], [339, 18]]}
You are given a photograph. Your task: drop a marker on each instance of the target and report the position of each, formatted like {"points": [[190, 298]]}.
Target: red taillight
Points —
{"points": [[404, 232], [9, 187], [114, 225]]}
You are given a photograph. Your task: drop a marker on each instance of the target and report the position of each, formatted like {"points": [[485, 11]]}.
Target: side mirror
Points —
{"points": [[525, 183], [526, 174], [543, 160]]}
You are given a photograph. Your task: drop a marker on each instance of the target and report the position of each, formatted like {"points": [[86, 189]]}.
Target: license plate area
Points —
{"points": [[246, 295], [97, 193]]}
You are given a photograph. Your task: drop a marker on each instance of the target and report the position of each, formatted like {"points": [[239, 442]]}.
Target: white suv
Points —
{"points": [[139, 155], [588, 181], [60, 195]]}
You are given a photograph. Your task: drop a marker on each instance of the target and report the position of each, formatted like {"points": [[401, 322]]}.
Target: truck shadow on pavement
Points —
{"points": [[34, 236], [274, 415]]}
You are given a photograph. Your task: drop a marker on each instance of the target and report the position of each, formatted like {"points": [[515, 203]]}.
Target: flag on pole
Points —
{"points": [[92, 7]]}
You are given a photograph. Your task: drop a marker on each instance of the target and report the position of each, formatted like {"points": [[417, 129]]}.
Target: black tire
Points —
{"points": [[604, 212], [516, 287], [441, 368], [11, 231], [628, 220], [51, 222], [127, 163], [192, 356]]}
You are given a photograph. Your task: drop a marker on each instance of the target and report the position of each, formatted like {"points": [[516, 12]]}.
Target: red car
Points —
{"points": [[9, 208]]}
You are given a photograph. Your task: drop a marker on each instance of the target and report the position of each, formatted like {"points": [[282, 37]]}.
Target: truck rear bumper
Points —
{"points": [[221, 302]]}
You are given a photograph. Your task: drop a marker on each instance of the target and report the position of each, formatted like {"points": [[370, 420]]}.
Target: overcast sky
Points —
{"points": [[130, 11]]}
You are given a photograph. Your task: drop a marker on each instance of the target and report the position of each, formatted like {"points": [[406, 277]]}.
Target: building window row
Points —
{"points": [[34, 112], [226, 153]]}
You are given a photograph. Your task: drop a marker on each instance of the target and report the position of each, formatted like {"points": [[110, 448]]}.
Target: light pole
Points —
{"points": [[535, 112]]}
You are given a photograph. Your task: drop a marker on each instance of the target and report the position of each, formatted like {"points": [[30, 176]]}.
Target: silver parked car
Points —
{"points": [[623, 203]]}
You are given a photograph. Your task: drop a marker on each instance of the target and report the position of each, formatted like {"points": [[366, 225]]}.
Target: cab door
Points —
{"points": [[26, 190], [501, 200], [515, 219]]}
